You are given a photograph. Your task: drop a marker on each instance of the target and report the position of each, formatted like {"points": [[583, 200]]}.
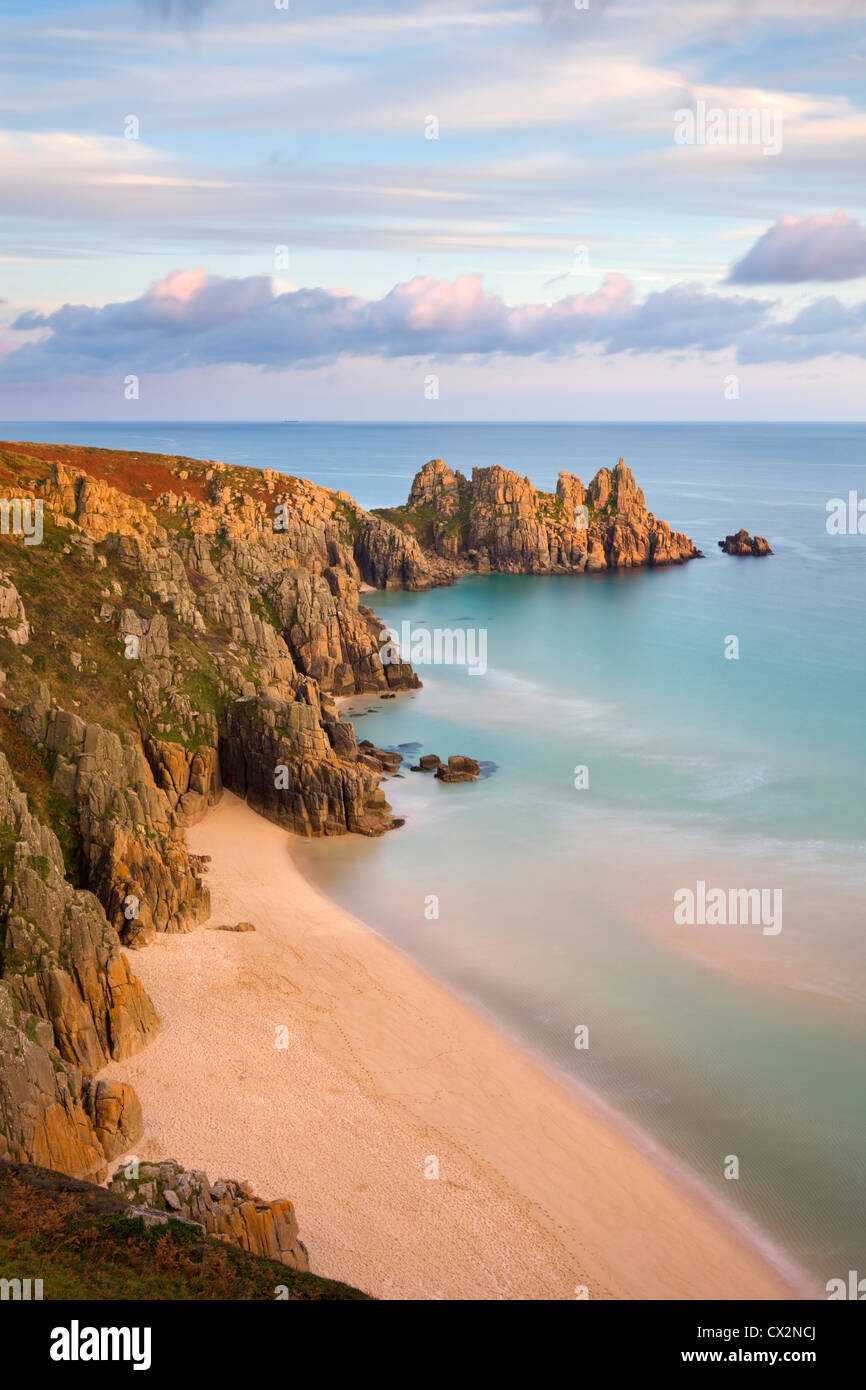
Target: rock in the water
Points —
{"points": [[428, 762], [744, 544], [497, 520], [459, 769], [380, 758]]}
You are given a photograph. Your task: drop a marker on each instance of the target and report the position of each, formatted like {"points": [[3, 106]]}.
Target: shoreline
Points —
{"points": [[800, 1283], [387, 1075]]}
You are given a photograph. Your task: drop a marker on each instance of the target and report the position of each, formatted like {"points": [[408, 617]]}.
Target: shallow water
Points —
{"points": [[555, 904]]}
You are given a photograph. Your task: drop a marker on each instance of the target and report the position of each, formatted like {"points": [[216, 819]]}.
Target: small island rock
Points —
{"points": [[744, 544], [459, 769]]}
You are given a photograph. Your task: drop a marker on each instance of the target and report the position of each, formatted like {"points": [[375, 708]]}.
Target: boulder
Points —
{"points": [[226, 1209], [744, 544], [459, 769], [428, 762]]}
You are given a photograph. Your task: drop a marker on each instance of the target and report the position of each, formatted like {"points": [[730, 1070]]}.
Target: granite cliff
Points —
{"points": [[179, 627], [498, 521]]}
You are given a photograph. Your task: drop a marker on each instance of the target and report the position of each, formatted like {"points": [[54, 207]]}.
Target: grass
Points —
{"points": [[75, 1238]]}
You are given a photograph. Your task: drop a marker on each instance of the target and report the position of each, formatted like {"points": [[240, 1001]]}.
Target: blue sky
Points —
{"points": [[554, 253]]}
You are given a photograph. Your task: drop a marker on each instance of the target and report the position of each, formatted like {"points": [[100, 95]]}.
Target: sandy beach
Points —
{"points": [[315, 1060]]}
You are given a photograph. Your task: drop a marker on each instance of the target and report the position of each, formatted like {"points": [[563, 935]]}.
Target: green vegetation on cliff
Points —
{"points": [[78, 1240]]}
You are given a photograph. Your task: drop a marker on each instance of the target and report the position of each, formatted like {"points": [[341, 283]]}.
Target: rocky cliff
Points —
{"points": [[499, 521], [68, 1003], [178, 627]]}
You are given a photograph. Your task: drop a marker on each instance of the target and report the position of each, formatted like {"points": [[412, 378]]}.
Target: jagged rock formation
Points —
{"points": [[333, 638], [226, 1209], [499, 521], [744, 544], [137, 861], [68, 1003], [12, 614], [264, 582], [301, 769]]}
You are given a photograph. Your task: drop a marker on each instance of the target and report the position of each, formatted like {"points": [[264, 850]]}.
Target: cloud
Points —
{"points": [[686, 316], [192, 319], [826, 328], [796, 249]]}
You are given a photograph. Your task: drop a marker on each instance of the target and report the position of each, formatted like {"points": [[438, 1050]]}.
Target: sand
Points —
{"points": [[384, 1080]]}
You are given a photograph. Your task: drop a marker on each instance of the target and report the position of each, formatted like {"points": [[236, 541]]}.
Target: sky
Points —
{"points": [[463, 209]]}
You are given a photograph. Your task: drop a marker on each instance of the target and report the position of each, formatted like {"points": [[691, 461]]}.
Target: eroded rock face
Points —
{"points": [[226, 1209], [301, 770], [499, 521], [388, 558], [190, 778], [13, 619], [437, 487], [68, 1004], [137, 860], [744, 544], [333, 638], [43, 1115]]}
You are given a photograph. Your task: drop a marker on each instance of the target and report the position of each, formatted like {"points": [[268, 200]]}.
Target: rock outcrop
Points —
{"points": [[744, 544], [226, 1209], [12, 615], [302, 770], [499, 521], [458, 769], [137, 861], [68, 1004]]}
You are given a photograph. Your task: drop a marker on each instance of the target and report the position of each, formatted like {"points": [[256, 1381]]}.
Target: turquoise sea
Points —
{"points": [[556, 902]]}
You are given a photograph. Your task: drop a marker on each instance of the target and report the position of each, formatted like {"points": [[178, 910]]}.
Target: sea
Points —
{"points": [[650, 741]]}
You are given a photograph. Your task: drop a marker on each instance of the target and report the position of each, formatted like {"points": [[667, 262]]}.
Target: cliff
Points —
{"points": [[178, 627], [499, 521], [68, 1003], [85, 1243]]}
